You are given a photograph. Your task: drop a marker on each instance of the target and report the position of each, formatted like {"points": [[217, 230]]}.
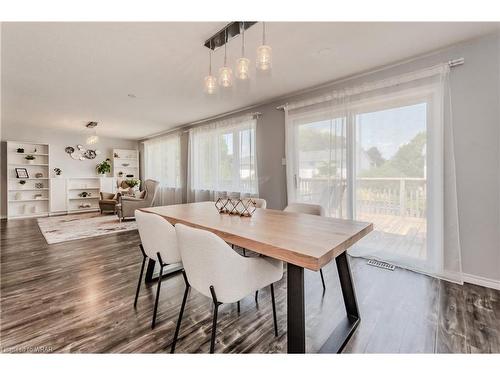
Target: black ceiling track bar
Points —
{"points": [[233, 30]]}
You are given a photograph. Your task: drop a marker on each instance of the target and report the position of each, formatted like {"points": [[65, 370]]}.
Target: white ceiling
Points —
{"points": [[62, 75]]}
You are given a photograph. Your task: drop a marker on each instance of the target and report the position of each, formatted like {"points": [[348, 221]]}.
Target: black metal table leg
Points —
{"points": [[170, 269], [150, 270], [344, 330], [296, 329]]}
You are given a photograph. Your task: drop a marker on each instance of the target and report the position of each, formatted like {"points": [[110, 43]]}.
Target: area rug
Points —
{"points": [[58, 229]]}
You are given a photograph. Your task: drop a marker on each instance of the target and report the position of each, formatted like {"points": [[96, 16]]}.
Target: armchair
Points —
{"points": [[108, 202], [128, 204]]}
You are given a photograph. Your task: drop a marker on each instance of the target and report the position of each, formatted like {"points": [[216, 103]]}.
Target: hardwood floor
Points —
{"points": [[78, 297]]}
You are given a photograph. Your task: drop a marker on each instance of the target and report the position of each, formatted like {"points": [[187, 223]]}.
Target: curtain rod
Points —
{"points": [[451, 63], [185, 128]]}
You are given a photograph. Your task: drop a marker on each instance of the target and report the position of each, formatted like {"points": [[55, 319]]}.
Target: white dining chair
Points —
{"points": [[310, 209], [260, 202], [158, 242], [212, 268]]}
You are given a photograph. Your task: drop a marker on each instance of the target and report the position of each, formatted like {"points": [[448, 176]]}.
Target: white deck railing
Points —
{"points": [[400, 196]]}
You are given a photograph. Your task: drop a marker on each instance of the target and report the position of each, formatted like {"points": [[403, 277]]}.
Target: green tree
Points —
{"points": [[375, 156], [408, 161]]}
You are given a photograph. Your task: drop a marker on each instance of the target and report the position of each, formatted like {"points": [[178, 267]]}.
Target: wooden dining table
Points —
{"points": [[302, 241]]}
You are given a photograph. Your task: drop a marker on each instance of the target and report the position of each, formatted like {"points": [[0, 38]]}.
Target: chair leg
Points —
{"points": [[179, 320], [244, 253], [274, 311], [238, 304], [153, 323], [256, 296], [140, 280], [214, 323], [322, 278]]}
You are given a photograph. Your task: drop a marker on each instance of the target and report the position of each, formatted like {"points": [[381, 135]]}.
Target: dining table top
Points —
{"points": [[304, 240]]}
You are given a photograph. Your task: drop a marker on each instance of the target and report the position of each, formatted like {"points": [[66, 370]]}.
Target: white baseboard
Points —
{"points": [[482, 281]]}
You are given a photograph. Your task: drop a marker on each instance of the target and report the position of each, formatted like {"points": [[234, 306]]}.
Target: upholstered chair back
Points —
{"points": [[209, 261], [305, 208], [157, 236], [151, 189], [260, 203]]}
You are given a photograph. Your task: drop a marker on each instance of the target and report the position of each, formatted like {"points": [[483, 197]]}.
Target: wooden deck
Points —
{"points": [[396, 234]]}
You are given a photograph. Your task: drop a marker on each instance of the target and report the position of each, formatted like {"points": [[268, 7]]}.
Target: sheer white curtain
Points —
{"points": [[162, 163], [383, 152], [221, 159]]}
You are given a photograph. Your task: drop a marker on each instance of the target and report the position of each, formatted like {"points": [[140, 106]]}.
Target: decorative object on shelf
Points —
{"points": [[69, 150], [18, 196], [58, 172], [103, 167], [22, 173], [20, 150], [93, 138], [242, 207], [85, 194], [38, 185], [30, 159], [35, 150], [37, 196], [120, 174], [125, 164], [22, 183], [39, 175], [115, 155]]}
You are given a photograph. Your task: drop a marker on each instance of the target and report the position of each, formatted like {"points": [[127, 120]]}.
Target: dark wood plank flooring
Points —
{"points": [[78, 297]]}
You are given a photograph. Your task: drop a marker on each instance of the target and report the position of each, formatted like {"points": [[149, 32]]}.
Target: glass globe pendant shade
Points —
{"points": [[210, 84], [242, 68], [264, 53], [92, 140], [225, 77]]}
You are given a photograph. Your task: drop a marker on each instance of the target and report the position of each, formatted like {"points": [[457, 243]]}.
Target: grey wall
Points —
{"points": [[476, 112], [58, 158]]}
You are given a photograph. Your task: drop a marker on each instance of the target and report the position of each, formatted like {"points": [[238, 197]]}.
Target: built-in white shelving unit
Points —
{"points": [[76, 187], [125, 163], [28, 196]]}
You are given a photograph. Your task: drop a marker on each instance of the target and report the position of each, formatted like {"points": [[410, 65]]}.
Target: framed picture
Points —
{"points": [[22, 173]]}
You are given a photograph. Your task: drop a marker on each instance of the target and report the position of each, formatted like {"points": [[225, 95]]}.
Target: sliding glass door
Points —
{"points": [[369, 161], [390, 184]]}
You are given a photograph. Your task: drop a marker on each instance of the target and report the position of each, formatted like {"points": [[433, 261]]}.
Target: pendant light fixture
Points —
{"points": [[225, 73], [264, 52], [242, 64], [93, 138], [210, 80]]}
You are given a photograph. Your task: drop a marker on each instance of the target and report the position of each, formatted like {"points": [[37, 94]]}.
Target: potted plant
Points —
{"points": [[57, 172], [133, 183], [30, 159], [104, 167], [22, 183]]}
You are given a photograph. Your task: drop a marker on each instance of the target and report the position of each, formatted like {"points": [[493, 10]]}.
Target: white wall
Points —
{"points": [[58, 158]]}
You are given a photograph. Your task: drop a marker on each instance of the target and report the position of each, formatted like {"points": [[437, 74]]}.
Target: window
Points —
{"points": [[162, 163], [222, 158], [376, 153]]}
